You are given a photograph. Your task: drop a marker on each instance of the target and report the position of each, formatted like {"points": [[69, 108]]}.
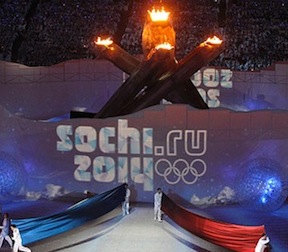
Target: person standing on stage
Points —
{"points": [[262, 243], [18, 240], [126, 202], [157, 205], [5, 230]]}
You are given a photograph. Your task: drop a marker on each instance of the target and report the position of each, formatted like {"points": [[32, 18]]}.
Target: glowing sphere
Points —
{"points": [[12, 176], [261, 185]]}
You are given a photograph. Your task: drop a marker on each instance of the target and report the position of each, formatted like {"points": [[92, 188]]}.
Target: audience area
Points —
{"points": [[47, 32]]}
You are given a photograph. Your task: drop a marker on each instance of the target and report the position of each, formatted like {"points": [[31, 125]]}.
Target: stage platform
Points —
{"points": [[134, 232], [139, 232]]}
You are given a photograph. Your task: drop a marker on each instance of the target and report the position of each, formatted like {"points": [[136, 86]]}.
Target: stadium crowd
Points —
{"points": [[46, 32]]}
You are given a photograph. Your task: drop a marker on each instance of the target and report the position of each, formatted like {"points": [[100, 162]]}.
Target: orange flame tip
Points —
{"points": [[164, 45], [214, 40], [105, 42], [157, 15]]}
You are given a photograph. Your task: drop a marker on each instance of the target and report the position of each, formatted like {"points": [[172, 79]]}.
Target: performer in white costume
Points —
{"points": [[262, 243], [126, 202], [18, 240], [5, 230], [157, 205]]}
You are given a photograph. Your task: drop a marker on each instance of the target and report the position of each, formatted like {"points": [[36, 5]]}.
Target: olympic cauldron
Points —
{"points": [[158, 76]]}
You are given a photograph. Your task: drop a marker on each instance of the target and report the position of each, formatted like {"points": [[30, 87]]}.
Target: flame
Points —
{"points": [[105, 42], [157, 15], [214, 41], [164, 45]]}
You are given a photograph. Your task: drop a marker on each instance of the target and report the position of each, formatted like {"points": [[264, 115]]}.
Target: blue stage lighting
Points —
{"points": [[261, 185], [12, 176]]}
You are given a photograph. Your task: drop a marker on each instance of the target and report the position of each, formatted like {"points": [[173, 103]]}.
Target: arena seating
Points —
{"points": [[35, 32]]}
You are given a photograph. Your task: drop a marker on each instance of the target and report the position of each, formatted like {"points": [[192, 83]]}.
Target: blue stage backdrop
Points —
{"points": [[196, 156]]}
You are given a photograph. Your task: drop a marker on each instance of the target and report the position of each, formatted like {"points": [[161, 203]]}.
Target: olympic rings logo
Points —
{"points": [[171, 170]]}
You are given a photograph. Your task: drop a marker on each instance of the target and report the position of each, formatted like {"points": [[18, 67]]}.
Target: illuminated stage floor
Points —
{"points": [[135, 232], [139, 232]]}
